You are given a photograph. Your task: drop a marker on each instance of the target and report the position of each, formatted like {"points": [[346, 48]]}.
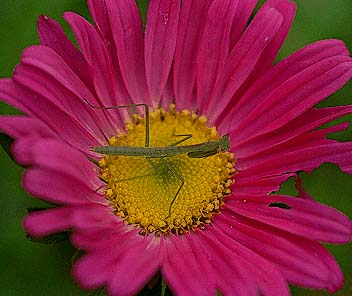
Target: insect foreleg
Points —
{"points": [[186, 137]]}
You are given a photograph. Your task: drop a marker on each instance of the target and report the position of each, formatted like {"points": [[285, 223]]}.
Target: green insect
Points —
{"points": [[201, 150]]}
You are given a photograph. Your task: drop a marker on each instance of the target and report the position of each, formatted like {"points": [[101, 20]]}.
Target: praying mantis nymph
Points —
{"points": [[201, 150]]}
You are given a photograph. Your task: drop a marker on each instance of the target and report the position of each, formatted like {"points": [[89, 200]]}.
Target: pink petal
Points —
{"points": [[190, 29], [96, 268], [242, 60], [46, 60], [258, 186], [274, 78], [59, 188], [160, 43], [95, 238], [100, 16], [62, 124], [233, 276], [60, 158], [302, 262], [22, 150], [145, 259], [301, 192], [287, 10], [108, 89], [94, 215], [214, 46], [24, 126], [306, 140], [93, 270], [52, 35], [52, 64], [51, 89], [307, 159], [183, 269], [285, 103], [126, 26], [308, 121], [244, 10], [305, 218], [262, 272], [45, 222]]}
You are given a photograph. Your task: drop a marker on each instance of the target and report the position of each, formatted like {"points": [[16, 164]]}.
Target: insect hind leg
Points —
{"points": [[178, 176]]}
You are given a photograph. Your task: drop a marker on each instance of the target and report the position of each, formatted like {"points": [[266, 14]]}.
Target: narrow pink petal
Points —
{"points": [[183, 271], [214, 46], [61, 158], [59, 188], [52, 35], [53, 65], [43, 223], [94, 215], [211, 275], [100, 16], [242, 60], [301, 191], [24, 126], [305, 218], [25, 131], [96, 267], [308, 121], [95, 238], [234, 277], [51, 89], [285, 103], [274, 78], [168, 92], [47, 60], [307, 159], [126, 26], [190, 29], [95, 51], [62, 124], [306, 140], [22, 149], [258, 186], [244, 10], [262, 272], [302, 262], [92, 271], [144, 258], [287, 9], [160, 43]]}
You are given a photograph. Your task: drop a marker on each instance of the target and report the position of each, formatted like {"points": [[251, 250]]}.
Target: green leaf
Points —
{"points": [[50, 239], [6, 142], [99, 292], [280, 205], [36, 209]]}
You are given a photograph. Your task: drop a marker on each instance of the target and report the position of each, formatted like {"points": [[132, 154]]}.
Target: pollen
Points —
{"points": [[172, 194]]}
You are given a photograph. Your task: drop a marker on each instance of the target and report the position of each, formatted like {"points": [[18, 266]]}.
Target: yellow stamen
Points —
{"points": [[142, 192]]}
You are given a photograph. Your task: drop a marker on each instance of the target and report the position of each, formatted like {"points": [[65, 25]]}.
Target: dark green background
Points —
{"points": [[33, 269]]}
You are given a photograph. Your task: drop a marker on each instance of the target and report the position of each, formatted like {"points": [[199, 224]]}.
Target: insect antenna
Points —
{"points": [[133, 110]]}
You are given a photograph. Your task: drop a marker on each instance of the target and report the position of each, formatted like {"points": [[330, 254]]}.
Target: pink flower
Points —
{"points": [[203, 58]]}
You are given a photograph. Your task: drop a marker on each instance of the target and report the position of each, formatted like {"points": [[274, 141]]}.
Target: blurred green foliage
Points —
{"points": [[36, 269]]}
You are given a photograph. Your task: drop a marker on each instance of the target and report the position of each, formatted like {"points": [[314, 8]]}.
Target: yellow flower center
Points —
{"points": [[170, 194]]}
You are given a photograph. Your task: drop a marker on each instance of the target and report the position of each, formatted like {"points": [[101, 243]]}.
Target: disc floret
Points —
{"points": [[143, 191]]}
